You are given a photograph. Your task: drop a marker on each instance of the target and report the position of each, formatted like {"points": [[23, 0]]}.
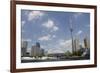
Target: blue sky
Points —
{"points": [[51, 28]]}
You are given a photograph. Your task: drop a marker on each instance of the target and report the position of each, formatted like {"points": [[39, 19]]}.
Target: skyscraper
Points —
{"points": [[42, 52], [76, 44], [86, 43], [24, 45], [35, 50], [38, 44]]}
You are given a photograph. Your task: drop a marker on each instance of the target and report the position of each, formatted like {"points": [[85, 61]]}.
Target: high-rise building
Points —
{"points": [[76, 44], [42, 52], [24, 45], [38, 44], [35, 50], [86, 43]]}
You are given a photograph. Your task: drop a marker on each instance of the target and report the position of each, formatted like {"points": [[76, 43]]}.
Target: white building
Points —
{"points": [[35, 51], [76, 44]]}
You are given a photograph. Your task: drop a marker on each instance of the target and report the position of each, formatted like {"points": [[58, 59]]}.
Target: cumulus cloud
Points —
{"points": [[50, 51], [55, 28], [53, 36], [34, 15], [61, 46], [45, 38], [65, 45], [28, 40], [43, 46], [79, 32], [50, 25], [64, 42], [23, 23]]}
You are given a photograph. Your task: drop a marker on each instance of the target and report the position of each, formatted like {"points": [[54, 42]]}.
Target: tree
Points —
{"points": [[68, 53]]}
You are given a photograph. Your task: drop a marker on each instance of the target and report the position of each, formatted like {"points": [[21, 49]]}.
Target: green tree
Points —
{"points": [[68, 53]]}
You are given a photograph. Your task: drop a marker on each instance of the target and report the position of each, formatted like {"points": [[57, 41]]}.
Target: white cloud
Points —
{"points": [[53, 36], [79, 32], [50, 25], [28, 40], [65, 45], [45, 38], [61, 46], [61, 42], [55, 28], [56, 50], [34, 15], [42, 46], [23, 23], [64, 42]]}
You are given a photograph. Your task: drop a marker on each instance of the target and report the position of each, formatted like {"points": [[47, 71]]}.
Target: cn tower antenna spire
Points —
{"points": [[71, 30]]}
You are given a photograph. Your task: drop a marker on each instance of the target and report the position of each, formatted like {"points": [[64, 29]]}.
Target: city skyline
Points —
{"points": [[52, 29]]}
